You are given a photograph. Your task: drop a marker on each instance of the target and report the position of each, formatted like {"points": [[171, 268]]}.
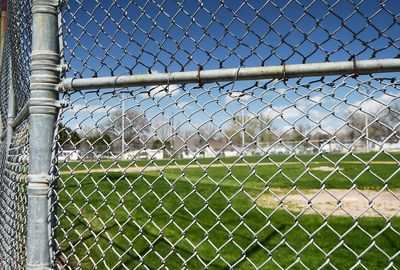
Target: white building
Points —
{"points": [[69, 155], [144, 154]]}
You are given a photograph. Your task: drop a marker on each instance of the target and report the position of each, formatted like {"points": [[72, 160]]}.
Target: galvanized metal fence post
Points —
{"points": [[11, 110], [43, 113], [2, 29], [2, 37]]}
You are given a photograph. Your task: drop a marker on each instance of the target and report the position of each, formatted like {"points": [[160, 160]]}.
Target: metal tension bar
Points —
{"points": [[240, 74], [43, 113]]}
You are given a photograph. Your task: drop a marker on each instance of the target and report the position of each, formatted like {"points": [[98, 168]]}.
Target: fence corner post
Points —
{"points": [[43, 113]]}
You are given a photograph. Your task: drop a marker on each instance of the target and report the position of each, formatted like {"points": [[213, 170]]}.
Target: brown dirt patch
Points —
{"points": [[335, 202]]}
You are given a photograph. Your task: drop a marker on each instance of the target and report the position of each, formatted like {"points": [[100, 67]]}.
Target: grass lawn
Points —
{"points": [[184, 217], [321, 158]]}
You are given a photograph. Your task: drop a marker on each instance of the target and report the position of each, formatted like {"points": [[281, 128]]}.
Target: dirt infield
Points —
{"points": [[336, 202]]}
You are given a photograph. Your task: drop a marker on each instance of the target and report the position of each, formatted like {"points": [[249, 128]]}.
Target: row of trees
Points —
{"points": [[135, 130]]}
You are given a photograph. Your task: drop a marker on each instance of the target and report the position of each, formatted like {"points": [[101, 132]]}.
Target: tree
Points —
{"points": [[163, 128], [157, 144], [255, 129], [297, 134], [98, 138], [319, 136], [130, 126], [393, 116], [67, 137], [265, 129], [207, 131], [380, 126]]}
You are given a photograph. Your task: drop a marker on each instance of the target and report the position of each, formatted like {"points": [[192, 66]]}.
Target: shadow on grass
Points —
{"points": [[131, 257], [139, 202]]}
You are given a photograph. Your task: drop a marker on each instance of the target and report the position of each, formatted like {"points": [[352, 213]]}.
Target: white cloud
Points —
{"points": [[160, 91], [185, 104], [374, 105], [238, 96], [90, 108], [286, 112], [317, 98], [289, 112], [301, 109], [163, 90], [281, 90]]}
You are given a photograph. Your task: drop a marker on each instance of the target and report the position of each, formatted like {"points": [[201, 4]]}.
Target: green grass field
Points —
{"points": [[182, 214], [311, 159]]}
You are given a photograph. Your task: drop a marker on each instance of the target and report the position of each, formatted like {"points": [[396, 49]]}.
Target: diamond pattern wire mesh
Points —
{"points": [[104, 38], [224, 205], [267, 174], [13, 200], [14, 159], [5, 82], [20, 18], [17, 48]]}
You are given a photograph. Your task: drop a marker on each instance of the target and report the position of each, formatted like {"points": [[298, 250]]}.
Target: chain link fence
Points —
{"points": [[14, 201], [203, 162], [201, 135], [14, 129]]}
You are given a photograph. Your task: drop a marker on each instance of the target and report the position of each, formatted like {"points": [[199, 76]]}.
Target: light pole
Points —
{"points": [[123, 123], [366, 124], [366, 132], [241, 96], [172, 142], [243, 132]]}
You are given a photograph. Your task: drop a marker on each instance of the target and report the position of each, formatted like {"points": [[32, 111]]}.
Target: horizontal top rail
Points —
{"points": [[21, 116], [241, 73]]}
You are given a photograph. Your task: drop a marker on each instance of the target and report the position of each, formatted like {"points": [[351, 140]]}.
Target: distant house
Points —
{"points": [[278, 150], [210, 149], [184, 149], [69, 155], [144, 154], [187, 154], [221, 148], [393, 147]]}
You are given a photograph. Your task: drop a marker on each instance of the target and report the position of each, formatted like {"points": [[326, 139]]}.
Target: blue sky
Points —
{"points": [[122, 37], [108, 38]]}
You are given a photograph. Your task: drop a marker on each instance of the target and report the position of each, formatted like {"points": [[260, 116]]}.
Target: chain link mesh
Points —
{"points": [[16, 52], [14, 162], [184, 191], [5, 82], [267, 174], [13, 201], [104, 38], [20, 18]]}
